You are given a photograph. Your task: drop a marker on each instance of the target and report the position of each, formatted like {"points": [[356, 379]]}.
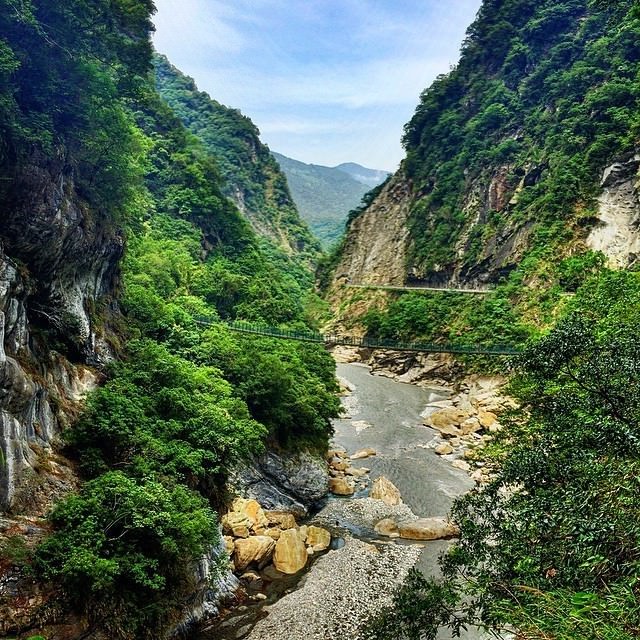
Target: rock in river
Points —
{"points": [[291, 553], [383, 489], [363, 453], [428, 529], [341, 487]]}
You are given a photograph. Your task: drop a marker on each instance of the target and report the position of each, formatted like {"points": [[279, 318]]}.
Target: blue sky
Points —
{"points": [[326, 81]]}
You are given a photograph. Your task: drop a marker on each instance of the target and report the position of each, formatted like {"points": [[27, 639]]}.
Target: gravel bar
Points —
{"points": [[343, 589]]}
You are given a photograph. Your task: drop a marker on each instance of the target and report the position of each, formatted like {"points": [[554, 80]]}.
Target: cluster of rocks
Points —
{"points": [[345, 479], [343, 590], [409, 527], [269, 541], [384, 513], [467, 422]]}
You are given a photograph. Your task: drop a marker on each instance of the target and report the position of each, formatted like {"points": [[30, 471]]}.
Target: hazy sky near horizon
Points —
{"points": [[326, 81]]}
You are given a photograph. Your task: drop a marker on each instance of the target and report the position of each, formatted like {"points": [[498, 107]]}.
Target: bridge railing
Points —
{"points": [[369, 343]]}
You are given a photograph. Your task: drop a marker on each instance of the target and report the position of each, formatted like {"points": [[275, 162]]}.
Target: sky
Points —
{"points": [[325, 81]]}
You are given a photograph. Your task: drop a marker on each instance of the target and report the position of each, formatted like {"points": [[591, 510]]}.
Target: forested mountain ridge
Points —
{"points": [[521, 172], [326, 195], [251, 177], [116, 240], [522, 176]]}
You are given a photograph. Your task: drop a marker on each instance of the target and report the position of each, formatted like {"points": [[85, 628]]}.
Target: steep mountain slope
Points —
{"points": [[521, 165], [325, 195], [252, 178], [117, 243]]}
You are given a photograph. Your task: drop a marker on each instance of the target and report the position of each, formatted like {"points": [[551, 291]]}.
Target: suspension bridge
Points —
{"points": [[331, 340]]}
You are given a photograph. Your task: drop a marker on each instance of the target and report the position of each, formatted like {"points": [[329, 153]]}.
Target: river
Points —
{"points": [[385, 415]]}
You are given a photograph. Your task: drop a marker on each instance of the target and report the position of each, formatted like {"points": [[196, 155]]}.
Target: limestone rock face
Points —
{"points": [[257, 549], [57, 260], [428, 529], [383, 489], [290, 553], [378, 239], [282, 482], [617, 235]]}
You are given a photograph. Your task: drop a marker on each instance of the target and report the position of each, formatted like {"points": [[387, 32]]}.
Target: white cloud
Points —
{"points": [[196, 28], [322, 79]]}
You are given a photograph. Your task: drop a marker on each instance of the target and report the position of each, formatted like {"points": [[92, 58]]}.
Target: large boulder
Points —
{"points": [[290, 554], [318, 539], [341, 486], [383, 489], [281, 519], [428, 529], [252, 510], [447, 421], [236, 524], [257, 549], [487, 418]]}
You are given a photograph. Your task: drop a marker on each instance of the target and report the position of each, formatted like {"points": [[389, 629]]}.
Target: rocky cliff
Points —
{"points": [[58, 272], [504, 182]]}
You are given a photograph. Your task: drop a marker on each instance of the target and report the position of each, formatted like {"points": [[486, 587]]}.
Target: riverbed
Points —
{"points": [[343, 587]]}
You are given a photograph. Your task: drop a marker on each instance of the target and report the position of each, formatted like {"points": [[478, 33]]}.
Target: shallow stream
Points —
{"points": [[385, 415]]}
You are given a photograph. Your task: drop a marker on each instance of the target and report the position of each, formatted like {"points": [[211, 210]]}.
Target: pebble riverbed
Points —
{"points": [[348, 584]]}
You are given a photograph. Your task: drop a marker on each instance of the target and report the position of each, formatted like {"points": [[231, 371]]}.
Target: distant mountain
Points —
{"points": [[325, 195], [370, 177], [252, 179]]}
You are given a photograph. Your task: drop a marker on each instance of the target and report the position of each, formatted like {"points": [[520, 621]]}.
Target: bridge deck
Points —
{"points": [[333, 340]]}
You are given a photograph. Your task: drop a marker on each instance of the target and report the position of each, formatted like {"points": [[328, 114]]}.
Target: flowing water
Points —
{"points": [[427, 483], [385, 415]]}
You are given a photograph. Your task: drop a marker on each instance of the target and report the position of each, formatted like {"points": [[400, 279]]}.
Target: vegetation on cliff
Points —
{"points": [[505, 157], [544, 97], [513, 143], [251, 176], [551, 545], [183, 401]]}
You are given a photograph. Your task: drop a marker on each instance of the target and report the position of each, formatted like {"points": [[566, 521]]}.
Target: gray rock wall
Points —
{"points": [[58, 260]]}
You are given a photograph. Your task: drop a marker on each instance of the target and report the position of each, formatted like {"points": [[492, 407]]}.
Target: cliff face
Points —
{"points": [[617, 232], [520, 159], [58, 265], [378, 239]]}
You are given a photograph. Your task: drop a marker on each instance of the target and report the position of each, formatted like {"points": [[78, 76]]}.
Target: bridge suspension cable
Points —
{"points": [[368, 343]]}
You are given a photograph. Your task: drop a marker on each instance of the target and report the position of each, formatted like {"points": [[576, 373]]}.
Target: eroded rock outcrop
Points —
{"points": [[617, 233], [282, 482], [58, 267]]}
